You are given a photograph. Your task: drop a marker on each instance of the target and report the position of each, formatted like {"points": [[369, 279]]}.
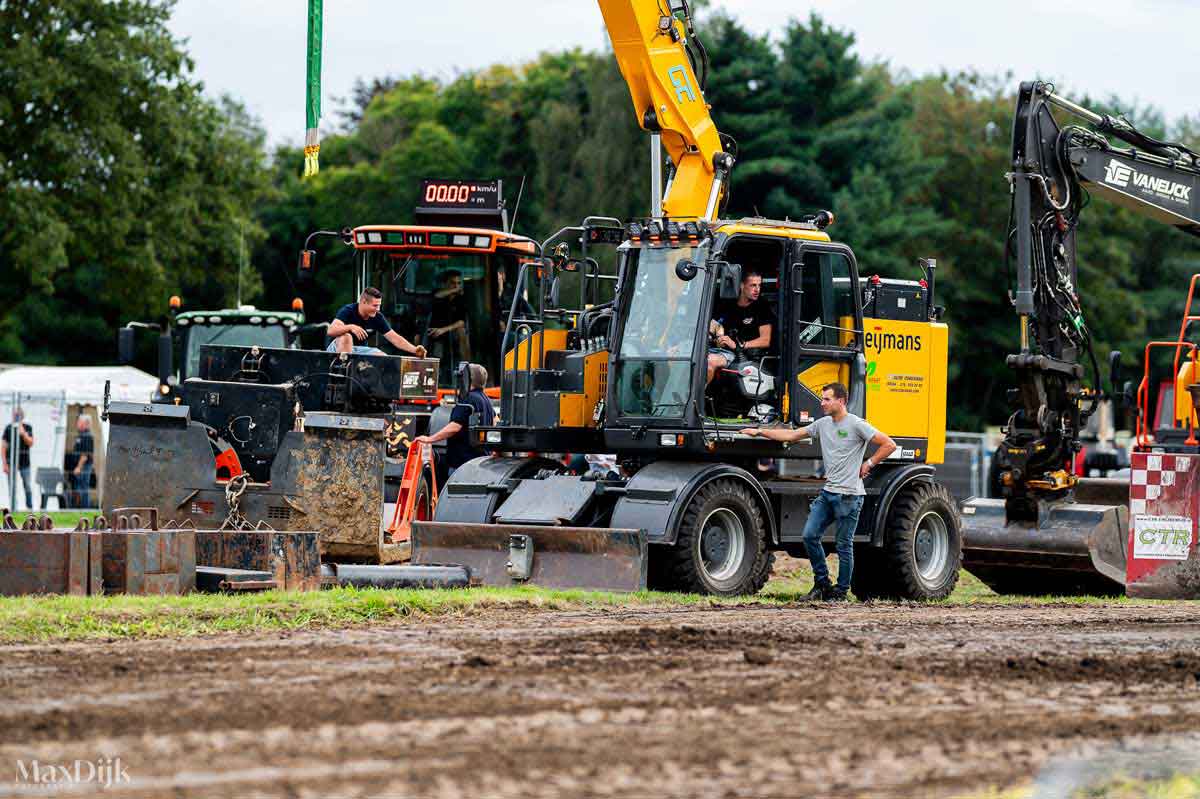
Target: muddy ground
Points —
{"points": [[851, 700]]}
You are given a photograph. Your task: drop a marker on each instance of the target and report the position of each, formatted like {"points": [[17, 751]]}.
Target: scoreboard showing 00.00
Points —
{"points": [[482, 195]]}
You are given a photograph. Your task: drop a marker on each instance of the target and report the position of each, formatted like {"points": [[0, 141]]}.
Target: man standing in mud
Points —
{"points": [[844, 438]]}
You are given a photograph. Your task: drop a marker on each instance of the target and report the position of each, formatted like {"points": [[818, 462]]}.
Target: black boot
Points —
{"points": [[818, 592]]}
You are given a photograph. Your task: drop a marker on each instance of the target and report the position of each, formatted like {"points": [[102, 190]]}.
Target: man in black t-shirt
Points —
{"points": [[457, 432], [746, 320], [354, 321], [18, 438]]}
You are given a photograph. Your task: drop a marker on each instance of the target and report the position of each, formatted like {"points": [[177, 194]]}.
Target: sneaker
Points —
{"points": [[835, 594], [818, 592]]}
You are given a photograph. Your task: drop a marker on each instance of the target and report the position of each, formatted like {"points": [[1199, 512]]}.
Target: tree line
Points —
{"points": [[123, 183]]}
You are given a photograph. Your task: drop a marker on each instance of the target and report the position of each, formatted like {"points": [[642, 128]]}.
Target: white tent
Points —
{"points": [[52, 397]]}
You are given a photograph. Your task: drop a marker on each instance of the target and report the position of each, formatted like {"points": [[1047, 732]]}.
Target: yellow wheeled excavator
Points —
{"points": [[697, 506]]}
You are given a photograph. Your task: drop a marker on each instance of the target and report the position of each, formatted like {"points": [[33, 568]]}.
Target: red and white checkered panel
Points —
{"points": [[1165, 486], [1160, 484]]}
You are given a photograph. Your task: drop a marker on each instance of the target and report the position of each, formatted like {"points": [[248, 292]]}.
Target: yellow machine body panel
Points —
{"points": [[1188, 374], [570, 409], [819, 375], [774, 231], [577, 409], [906, 381], [535, 348]]}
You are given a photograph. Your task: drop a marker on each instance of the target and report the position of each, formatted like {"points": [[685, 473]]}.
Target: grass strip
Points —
{"points": [[71, 618]]}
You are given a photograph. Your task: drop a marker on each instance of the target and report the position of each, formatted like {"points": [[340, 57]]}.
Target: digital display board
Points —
{"points": [[472, 195]]}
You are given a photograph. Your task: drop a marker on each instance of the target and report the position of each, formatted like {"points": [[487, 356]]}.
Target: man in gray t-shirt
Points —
{"points": [[844, 438]]}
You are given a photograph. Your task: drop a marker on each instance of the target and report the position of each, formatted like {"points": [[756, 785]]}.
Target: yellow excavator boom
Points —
{"points": [[651, 49]]}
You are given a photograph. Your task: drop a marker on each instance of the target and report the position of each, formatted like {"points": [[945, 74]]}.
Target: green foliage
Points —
{"points": [[119, 182]]}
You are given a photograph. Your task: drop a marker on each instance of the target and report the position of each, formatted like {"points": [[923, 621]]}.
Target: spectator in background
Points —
{"points": [[81, 475], [18, 438]]}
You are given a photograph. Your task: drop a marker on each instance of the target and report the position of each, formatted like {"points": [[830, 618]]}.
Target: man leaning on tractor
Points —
{"points": [[844, 438], [355, 319]]}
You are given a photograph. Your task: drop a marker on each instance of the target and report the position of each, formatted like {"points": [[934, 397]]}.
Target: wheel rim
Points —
{"points": [[722, 544], [931, 546]]}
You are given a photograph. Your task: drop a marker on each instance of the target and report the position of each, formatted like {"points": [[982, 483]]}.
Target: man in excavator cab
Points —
{"points": [[740, 339], [743, 325]]}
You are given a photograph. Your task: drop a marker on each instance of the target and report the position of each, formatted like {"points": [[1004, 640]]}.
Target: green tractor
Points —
{"points": [[183, 333]]}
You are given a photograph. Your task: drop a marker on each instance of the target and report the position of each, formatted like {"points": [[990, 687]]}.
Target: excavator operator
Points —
{"points": [[746, 321]]}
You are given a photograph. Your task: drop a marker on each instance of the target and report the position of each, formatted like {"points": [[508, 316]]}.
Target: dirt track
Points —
{"points": [[853, 700]]}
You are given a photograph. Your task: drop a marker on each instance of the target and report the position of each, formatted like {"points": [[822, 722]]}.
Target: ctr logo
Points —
{"points": [[1117, 173]]}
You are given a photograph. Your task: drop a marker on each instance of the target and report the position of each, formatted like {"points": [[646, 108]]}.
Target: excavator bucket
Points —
{"points": [[547, 556], [1076, 545], [534, 535]]}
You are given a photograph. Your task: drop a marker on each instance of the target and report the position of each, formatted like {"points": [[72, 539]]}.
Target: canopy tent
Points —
{"points": [[52, 398]]}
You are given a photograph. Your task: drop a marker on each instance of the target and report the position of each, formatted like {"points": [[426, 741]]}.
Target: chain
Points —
{"points": [[233, 498]]}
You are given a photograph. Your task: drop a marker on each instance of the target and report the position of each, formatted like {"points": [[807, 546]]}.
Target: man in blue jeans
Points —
{"points": [[843, 438]]}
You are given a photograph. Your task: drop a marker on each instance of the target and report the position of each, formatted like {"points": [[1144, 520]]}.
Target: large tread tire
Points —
{"points": [[900, 577], [681, 567]]}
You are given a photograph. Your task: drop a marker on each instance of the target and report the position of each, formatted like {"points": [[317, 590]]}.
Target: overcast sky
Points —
{"points": [[1142, 51]]}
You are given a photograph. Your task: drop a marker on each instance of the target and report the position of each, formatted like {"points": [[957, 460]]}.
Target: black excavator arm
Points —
{"points": [[1052, 165]]}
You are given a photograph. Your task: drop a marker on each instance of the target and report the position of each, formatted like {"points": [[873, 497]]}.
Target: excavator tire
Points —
{"points": [[923, 552], [721, 547]]}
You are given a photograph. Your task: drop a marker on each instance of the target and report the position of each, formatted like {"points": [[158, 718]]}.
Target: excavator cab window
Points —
{"points": [[827, 309], [662, 319], [823, 327]]}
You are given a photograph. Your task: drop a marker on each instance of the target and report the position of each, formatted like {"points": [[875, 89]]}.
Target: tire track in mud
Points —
{"points": [[879, 700]]}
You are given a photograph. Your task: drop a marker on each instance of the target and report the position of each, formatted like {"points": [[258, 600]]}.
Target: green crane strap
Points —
{"points": [[312, 136]]}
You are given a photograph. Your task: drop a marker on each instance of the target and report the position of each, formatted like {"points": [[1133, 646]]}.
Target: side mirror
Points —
{"points": [[685, 269], [1114, 370], [125, 345], [553, 293], [462, 380], [307, 264], [729, 278]]}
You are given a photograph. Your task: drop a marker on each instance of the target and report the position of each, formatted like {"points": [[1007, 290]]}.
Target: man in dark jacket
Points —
{"points": [[457, 432], [81, 475]]}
